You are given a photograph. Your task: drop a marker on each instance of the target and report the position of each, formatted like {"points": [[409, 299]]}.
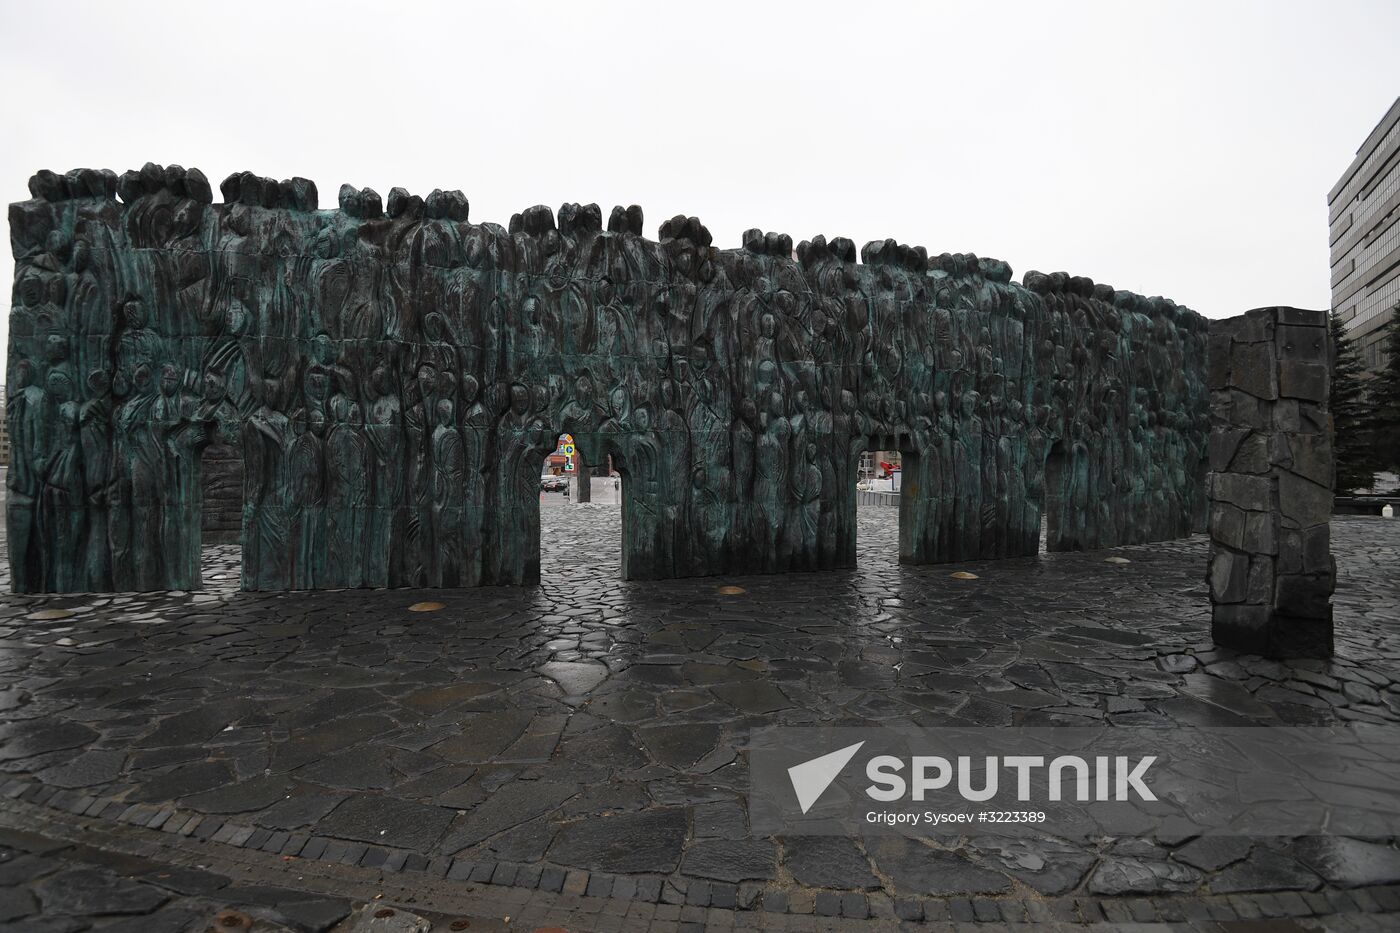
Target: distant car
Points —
{"points": [[553, 483]]}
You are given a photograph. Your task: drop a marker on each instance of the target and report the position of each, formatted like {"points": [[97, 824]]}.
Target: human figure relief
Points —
{"points": [[348, 472], [138, 345], [449, 496], [809, 496], [742, 439], [306, 474], [418, 425], [137, 554], [476, 435], [94, 432], [515, 541], [24, 412], [385, 434], [967, 460], [61, 512], [770, 486], [179, 442], [673, 437], [267, 509], [579, 415]]}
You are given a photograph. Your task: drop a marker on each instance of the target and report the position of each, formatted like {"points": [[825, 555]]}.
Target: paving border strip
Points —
{"points": [[324, 866]]}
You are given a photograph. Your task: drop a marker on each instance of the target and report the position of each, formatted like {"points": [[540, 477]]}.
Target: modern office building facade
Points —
{"points": [[1363, 211]]}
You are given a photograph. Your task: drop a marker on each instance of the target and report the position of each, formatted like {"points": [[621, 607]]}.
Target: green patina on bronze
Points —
{"points": [[395, 378]]}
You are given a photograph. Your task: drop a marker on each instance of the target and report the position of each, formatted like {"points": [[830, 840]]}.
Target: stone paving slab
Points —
{"points": [[52, 866], [585, 739]]}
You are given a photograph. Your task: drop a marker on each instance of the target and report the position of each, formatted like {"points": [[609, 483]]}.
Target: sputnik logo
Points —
{"points": [[811, 778]]}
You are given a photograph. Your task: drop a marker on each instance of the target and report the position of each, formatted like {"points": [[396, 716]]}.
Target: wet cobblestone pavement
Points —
{"points": [[574, 753]]}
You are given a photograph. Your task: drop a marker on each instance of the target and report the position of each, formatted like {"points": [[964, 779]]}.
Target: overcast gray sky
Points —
{"points": [[1183, 149]]}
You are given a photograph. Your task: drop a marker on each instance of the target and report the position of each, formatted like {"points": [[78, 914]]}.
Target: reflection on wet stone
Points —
{"points": [[645, 773]]}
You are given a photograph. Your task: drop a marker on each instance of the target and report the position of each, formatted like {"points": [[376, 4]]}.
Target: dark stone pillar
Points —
{"points": [[584, 475], [1271, 572]]}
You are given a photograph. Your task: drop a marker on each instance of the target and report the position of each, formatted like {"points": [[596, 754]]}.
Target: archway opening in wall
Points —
{"points": [[877, 474], [581, 515], [1052, 516], [221, 516]]}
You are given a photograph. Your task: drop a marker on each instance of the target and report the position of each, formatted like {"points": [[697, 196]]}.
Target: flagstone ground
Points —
{"points": [[585, 739]]}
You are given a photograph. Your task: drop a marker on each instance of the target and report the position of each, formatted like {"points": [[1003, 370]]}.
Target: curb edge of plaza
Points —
{"points": [[325, 867]]}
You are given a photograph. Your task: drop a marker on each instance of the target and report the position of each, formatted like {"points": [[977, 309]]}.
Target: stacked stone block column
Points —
{"points": [[1271, 572]]}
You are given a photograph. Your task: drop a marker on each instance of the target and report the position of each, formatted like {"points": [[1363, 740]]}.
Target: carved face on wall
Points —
{"points": [[55, 349], [236, 317], [31, 291], [444, 412], [767, 375], [519, 400], [700, 358], [59, 386], [187, 218], [427, 379], [323, 349], [238, 220], [169, 380], [380, 378], [317, 386], [433, 327], [618, 399], [470, 387]]}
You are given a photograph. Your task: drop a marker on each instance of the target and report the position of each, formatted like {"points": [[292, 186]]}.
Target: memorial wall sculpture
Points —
{"points": [[395, 375]]}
